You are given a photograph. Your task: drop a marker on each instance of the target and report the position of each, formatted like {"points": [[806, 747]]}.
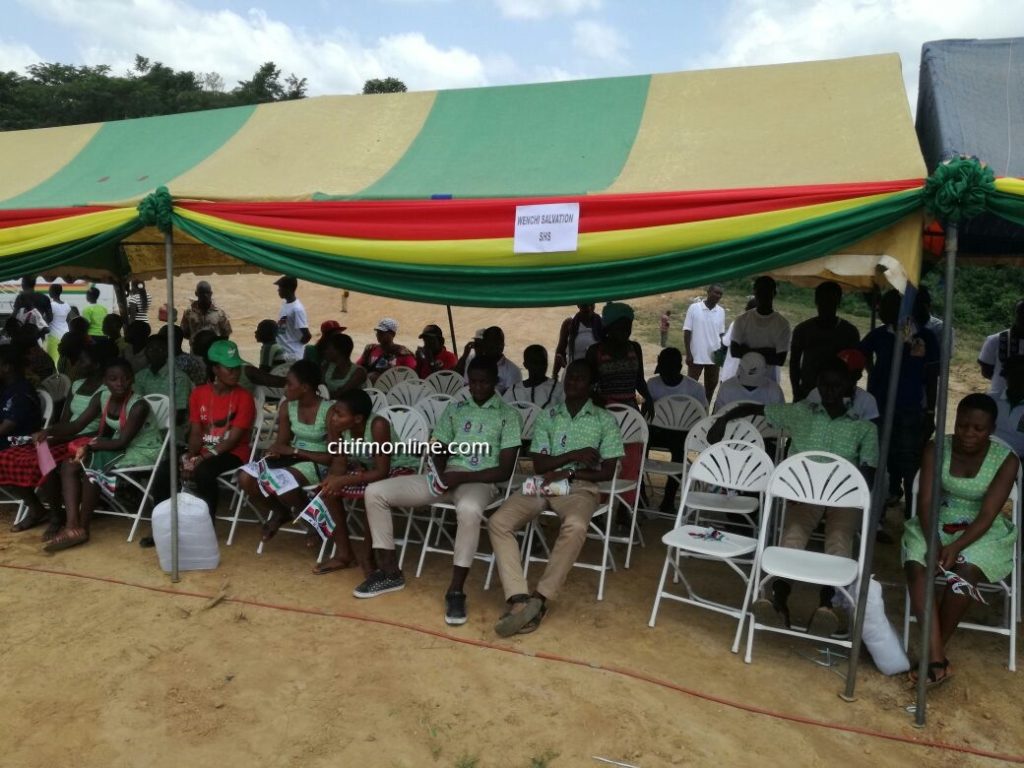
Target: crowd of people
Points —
{"points": [[106, 423]]}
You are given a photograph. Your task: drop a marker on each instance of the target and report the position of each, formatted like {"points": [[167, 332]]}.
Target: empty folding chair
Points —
{"points": [[407, 392], [635, 437], [673, 418], [392, 376], [820, 479], [736, 466]]}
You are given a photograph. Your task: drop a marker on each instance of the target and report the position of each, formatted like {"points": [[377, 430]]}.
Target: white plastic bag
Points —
{"points": [[880, 637]]}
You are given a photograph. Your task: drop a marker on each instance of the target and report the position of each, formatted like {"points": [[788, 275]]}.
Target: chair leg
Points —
{"points": [[426, 542], [906, 621], [743, 616], [661, 588]]}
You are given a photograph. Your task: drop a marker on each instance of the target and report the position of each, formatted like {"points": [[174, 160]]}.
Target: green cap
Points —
{"points": [[224, 352]]}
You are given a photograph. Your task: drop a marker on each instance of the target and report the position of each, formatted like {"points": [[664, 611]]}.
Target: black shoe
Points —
{"points": [[379, 583], [455, 608]]}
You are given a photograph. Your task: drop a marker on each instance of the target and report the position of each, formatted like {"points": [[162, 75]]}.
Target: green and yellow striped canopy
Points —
{"points": [[681, 179]]}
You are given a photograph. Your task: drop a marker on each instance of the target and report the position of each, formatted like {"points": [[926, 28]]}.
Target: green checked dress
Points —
{"points": [[309, 437], [143, 449], [961, 503]]}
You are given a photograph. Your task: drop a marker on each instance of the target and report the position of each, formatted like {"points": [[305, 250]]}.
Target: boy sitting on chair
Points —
{"points": [[832, 426], [575, 441]]}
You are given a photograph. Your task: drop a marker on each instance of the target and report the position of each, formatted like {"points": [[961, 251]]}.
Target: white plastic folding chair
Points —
{"points": [[407, 392], [46, 406], [392, 376], [1008, 588], [445, 382], [768, 432], [528, 413], [264, 426], [408, 426], [674, 413], [732, 466], [431, 407], [141, 477], [636, 433], [378, 399], [57, 386], [822, 479], [46, 401]]}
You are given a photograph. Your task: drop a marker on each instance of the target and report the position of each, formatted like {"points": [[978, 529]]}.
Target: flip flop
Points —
{"points": [[29, 523], [511, 623], [51, 531], [323, 568], [66, 542], [533, 624]]}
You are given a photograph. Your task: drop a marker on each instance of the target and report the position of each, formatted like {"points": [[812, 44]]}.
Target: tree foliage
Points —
{"points": [[51, 94], [386, 85]]}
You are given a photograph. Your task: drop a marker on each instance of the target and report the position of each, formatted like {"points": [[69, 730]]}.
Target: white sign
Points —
{"points": [[550, 228]]}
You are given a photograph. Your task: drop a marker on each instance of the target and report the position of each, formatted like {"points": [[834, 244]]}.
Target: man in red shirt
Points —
{"points": [[433, 356]]}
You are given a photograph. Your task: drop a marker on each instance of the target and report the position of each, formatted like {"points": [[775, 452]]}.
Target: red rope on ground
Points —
{"points": [[624, 672]]}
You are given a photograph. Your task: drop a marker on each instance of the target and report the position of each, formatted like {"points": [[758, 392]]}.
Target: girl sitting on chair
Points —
{"points": [[350, 472], [976, 541], [340, 373], [129, 436], [275, 486]]}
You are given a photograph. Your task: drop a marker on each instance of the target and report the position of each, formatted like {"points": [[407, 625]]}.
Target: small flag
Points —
{"points": [[274, 482], [318, 517], [961, 586], [437, 485]]}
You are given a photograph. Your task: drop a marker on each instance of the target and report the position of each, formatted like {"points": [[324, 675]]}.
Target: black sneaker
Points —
{"points": [[455, 608], [379, 583]]}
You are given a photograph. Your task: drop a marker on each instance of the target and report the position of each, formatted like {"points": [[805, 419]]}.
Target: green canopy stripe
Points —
{"points": [[99, 254], [554, 286], [511, 141], [1009, 207], [129, 158]]}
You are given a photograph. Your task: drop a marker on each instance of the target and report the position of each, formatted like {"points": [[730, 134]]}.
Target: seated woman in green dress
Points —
{"points": [[340, 373], [128, 436], [298, 456], [976, 540]]}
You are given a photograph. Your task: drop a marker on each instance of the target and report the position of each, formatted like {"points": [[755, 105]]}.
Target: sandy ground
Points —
{"points": [[103, 662]]}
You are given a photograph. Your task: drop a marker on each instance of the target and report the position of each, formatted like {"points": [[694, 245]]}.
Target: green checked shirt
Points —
{"points": [[811, 429], [556, 432], [149, 383], [494, 423]]}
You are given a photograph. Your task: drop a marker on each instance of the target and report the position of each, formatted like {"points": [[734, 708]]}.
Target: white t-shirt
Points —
{"points": [[758, 331], [544, 395], [732, 391], [59, 325], [990, 356], [707, 327], [1010, 424], [577, 348], [508, 374], [731, 366], [687, 386], [864, 405], [289, 329]]}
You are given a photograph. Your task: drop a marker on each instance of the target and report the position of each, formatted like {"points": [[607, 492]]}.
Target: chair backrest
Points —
{"points": [[677, 412], [160, 407], [767, 431], [736, 465], [528, 413], [323, 392], [631, 424], [407, 423], [432, 407], [57, 386], [46, 402], [738, 429], [445, 382], [407, 392], [392, 376], [462, 396], [259, 423], [378, 398], [820, 478]]}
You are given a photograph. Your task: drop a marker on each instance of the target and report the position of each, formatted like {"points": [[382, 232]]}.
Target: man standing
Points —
{"points": [[703, 330], [491, 346], [819, 338], [38, 300], [576, 335], [762, 329], [203, 315], [666, 321], [433, 356], [914, 412], [467, 481], [292, 325], [1010, 422], [576, 441], [998, 348]]}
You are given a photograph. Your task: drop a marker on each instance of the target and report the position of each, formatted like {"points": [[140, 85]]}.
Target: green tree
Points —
{"points": [[265, 85], [387, 85]]}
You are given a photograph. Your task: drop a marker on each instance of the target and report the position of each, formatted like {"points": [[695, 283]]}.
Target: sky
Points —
{"points": [[431, 44]]}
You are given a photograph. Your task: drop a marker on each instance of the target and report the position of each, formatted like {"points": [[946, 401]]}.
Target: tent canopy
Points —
{"points": [[681, 178], [971, 101]]}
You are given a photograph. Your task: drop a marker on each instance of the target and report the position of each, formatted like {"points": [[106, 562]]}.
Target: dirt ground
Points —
{"points": [[104, 662]]}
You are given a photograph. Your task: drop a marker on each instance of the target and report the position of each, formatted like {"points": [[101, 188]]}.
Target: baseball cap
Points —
{"points": [[387, 325], [327, 327], [224, 352], [753, 370], [432, 330], [287, 280], [854, 359]]}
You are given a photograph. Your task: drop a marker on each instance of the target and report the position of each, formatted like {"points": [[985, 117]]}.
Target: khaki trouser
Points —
{"points": [[414, 491], [841, 525], [575, 510]]}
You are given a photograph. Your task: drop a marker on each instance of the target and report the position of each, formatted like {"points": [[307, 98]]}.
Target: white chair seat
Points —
{"points": [[731, 545], [660, 467], [809, 567], [719, 502]]}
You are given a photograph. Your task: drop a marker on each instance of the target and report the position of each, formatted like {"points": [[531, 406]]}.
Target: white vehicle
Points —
{"points": [[73, 294]]}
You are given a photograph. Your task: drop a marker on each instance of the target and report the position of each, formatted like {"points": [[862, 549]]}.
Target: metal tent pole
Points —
{"points": [[451, 329], [878, 496], [932, 533], [172, 440]]}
